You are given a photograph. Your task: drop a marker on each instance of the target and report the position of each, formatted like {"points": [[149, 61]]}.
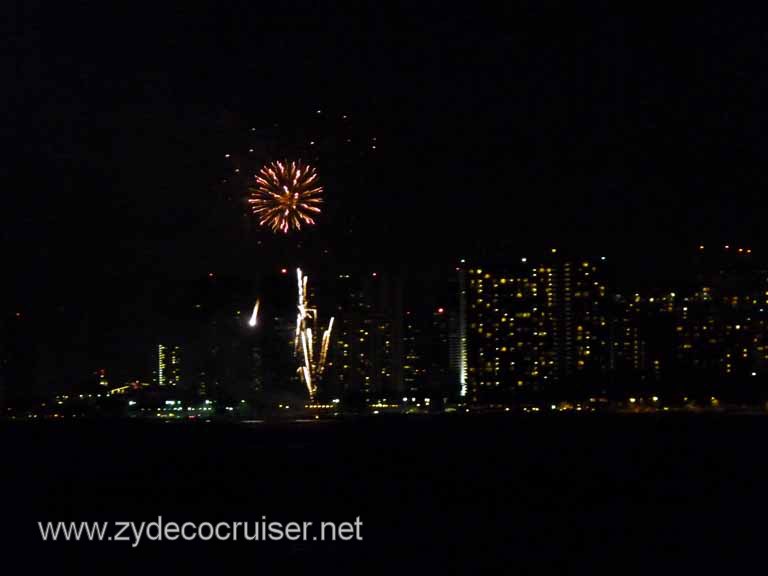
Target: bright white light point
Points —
{"points": [[226, 155], [319, 111], [754, 373], [523, 260], [602, 257], [254, 315]]}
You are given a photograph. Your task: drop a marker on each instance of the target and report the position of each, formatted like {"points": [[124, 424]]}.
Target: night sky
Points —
{"points": [[633, 134]]}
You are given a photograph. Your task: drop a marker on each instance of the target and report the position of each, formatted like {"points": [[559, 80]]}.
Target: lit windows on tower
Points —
{"points": [[168, 365], [161, 365], [174, 371]]}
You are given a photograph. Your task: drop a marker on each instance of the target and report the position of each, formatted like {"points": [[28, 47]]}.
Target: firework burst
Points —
{"points": [[286, 196]]}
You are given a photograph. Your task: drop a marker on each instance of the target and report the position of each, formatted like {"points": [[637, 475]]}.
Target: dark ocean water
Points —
{"points": [[506, 494]]}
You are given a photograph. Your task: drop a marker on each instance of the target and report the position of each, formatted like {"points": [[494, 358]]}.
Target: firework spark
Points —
{"points": [[254, 315], [286, 196], [304, 344]]}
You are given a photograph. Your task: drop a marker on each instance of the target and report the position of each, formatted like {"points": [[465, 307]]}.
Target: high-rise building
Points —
{"points": [[511, 333], [625, 346], [710, 332], [581, 326], [352, 346], [453, 389], [720, 326], [368, 348], [174, 374], [461, 359], [440, 376], [414, 371], [168, 371], [532, 325], [162, 366]]}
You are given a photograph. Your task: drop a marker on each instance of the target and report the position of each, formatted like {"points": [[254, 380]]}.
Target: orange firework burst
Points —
{"points": [[286, 196]]}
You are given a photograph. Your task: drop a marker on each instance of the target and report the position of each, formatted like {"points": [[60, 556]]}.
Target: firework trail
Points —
{"points": [[304, 343], [254, 315]]}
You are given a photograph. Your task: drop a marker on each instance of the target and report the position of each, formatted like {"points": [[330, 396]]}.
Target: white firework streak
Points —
{"points": [[324, 348], [255, 315], [310, 388], [301, 287], [313, 363], [298, 334], [307, 364]]}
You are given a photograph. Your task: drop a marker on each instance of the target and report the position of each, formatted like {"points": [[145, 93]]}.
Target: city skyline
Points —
{"points": [[570, 333]]}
